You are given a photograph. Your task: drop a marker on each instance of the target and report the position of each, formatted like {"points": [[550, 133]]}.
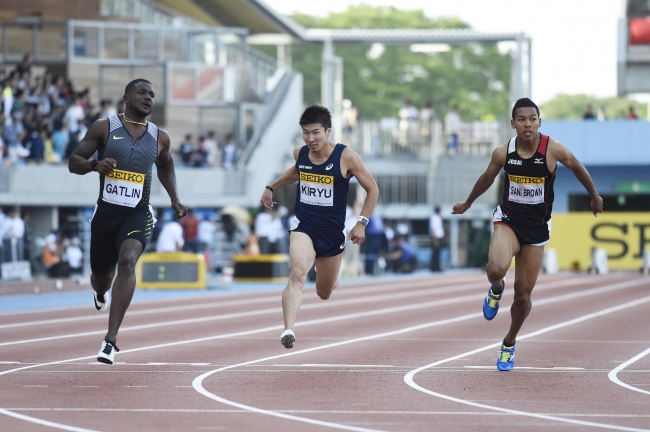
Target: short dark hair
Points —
{"points": [[316, 114], [524, 103], [132, 84]]}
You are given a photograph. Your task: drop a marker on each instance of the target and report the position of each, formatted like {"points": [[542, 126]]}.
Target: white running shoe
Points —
{"points": [[287, 338], [107, 353], [101, 302]]}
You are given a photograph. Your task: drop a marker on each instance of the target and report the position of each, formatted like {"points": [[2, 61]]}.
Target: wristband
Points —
{"points": [[270, 188]]}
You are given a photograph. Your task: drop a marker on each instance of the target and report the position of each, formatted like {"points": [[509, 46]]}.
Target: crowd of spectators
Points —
{"points": [[206, 152], [43, 117]]}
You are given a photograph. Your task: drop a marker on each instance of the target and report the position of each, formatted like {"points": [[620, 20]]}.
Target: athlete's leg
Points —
{"points": [[301, 258], [527, 264], [503, 246], [327, 277], [130, 251]]}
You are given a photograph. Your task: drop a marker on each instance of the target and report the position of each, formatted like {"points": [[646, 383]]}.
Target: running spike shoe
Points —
{"points": [[287, 338], [506, 359], [107, 353], [101, 301], [491, 302]]}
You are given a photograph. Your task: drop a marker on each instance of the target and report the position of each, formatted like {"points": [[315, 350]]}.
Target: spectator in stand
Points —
{"points": [[601, 114], [170, 238], [25, 65], [212, 148], [61, 138], [452, 129], [73, 255], [52, 257], [631, 114], [206, 233], [403, 258], [74, 141], [107, 109], [15, 237], [19, 102], [190, 224], [408, 115], [27, 243], [49, 155], [589, 113], [426, 117], [229, 156], [185, 149], [14, 133], [199, 157], [437, 233], [37, 145], [8, 94], [75, 115], [269, 231]]}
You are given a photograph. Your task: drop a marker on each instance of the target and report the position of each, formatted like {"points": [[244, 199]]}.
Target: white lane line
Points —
{"points": [[305, 323], [613, 374], [136, 386], [35, 386], [85, 386], [320, 305], [385, 286], [342, 365], [408, 378], [334, 303], [43, 422], [355, 412]]}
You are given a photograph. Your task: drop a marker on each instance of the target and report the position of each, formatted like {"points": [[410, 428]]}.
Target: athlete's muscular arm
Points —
{"points": [[486, 179], [167, 174], [290, 176], [95, 138], [353, 165], [558, 152]]}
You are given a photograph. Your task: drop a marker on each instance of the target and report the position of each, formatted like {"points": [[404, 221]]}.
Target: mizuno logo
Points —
{"points": [[116, 138], [133, 232], [329, 167], [539, 161]]}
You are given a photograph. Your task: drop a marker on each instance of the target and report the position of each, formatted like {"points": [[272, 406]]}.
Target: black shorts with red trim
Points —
{"points": [[535, 235]]}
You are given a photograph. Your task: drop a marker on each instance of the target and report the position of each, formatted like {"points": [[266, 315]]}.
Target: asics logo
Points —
{"points": [[329, 167], [539, 161], [116, 138], [342, 246]]}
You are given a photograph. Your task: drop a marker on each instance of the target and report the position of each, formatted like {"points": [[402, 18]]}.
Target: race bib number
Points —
{"points": [[526, 190], [316, 189], [123, 188]]}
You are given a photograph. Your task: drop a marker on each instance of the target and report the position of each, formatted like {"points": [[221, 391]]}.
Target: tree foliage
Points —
{"points": [[572, 107], [474, 76]]}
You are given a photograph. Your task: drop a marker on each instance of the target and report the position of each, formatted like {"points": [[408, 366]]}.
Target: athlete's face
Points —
{"points": [[526, 122], [140, 98], [315, 136]]}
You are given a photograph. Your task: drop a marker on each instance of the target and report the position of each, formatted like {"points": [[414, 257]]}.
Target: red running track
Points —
{"points": [[412, 354]]}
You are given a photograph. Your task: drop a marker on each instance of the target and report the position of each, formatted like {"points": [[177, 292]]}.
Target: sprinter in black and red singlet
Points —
{"points": [[522, 223], [323, 170]]}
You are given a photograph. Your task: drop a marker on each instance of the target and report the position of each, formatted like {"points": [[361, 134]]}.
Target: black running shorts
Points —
{"points": [[326, 243], [108, 232], [536, 235]]}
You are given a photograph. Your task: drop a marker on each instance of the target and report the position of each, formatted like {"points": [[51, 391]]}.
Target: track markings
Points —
{"points": [[408, 378], [614, 378], [530, 367]]}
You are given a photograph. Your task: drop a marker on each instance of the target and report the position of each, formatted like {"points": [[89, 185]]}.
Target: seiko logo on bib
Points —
{"points": [[526, 190], [123, 188], [514, 162], [316, 189]]}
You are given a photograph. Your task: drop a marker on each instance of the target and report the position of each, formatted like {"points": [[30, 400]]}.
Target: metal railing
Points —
{"points": [[386, 138]]}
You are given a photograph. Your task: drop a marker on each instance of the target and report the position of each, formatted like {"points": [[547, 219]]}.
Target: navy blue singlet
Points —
{"points": [[322, 191]]}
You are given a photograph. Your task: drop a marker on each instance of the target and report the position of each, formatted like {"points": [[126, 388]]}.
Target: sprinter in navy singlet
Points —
{"points": [[323, 170], [127, 146], [522, 222]]}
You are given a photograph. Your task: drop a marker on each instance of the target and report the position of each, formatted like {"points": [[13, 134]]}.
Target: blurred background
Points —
{"points": [[422, 92]]}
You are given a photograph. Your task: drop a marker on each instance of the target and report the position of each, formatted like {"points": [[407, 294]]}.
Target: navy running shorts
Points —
{"points": [[326, 243], [108, 232]]}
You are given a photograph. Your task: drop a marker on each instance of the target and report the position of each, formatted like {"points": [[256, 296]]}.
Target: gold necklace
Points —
{"points": [[133, 121]]}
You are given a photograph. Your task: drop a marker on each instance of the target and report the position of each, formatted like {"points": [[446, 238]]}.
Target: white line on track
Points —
{"points": [[363, 300], [198, 381], [613, 374], [607, 288], [355, 412], [408, 378]]}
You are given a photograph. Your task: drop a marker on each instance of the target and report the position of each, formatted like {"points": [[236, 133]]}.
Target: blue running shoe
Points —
{"points": [[491, 302], [506, 359]]}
